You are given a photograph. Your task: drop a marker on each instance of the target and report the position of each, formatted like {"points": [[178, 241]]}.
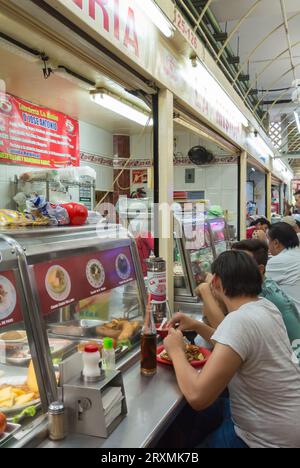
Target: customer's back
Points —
{"points": [[284, 266]]}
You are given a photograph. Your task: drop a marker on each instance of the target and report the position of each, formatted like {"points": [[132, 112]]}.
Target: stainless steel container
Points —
{"points": [[56, 421], [157, 282]]}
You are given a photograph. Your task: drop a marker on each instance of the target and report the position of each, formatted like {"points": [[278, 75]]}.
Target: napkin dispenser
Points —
{"points": [[93, 409]]}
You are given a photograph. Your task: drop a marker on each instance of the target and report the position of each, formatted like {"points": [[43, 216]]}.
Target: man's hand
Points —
{"points": [[184, 322], [174, 342]]}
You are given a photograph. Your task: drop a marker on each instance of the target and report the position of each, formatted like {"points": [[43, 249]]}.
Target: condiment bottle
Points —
{"points": [[148, 343], [108, 354], [56, 421], [91, 359]]}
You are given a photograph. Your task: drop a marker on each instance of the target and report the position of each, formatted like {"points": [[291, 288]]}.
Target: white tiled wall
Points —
{"points": [[220, 183]]}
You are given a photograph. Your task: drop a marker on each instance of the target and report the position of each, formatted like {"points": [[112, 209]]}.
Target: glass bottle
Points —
{"points": [[108, 354], [148, 343]]}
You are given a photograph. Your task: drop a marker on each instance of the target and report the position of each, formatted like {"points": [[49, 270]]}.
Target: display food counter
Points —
{"points": [[61, 288], [198, 242]]}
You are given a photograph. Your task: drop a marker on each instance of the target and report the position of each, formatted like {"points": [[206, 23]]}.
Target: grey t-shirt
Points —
{"points": [[265, 392]]}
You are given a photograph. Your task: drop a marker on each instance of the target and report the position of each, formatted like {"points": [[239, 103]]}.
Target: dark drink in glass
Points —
{"points": [[148, 354], [148, 343]]}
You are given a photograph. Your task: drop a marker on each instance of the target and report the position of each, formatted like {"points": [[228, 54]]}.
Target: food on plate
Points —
{"points": [[3, 423], [57, 280], [19, 395], [14, 335], [31, 379], [3, 293], [96, 272], [192, 353], [120, 329]]}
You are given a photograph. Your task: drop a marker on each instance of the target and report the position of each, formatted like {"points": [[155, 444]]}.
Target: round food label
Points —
{"points": [[8, 298], [123, 266], [58, 283], [95, 273]]}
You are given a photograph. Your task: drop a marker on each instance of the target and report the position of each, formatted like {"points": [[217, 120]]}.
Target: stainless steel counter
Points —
{"points": [[153, 403]]}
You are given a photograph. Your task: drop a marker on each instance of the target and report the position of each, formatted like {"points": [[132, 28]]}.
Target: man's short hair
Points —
{"points": [[261, 221], [285, 235], [257, 248], [239, 274]]}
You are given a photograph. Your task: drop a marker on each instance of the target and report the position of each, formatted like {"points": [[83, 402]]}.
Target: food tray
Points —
{"points": [[78, 328], [11, 429]]}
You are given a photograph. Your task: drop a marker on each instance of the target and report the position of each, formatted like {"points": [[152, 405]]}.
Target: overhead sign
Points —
{"points": [[123, 24], [35, 136]]}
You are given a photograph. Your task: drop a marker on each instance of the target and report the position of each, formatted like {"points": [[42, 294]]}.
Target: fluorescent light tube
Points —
{"points": [[117, 105], [157, 16]]}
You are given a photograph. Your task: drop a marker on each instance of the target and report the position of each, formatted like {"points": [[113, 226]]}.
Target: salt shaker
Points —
{"points": [[56, 421]]}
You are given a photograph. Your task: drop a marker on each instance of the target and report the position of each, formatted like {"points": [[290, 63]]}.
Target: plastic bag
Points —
{"points": [[56, 214], [15, 218]]}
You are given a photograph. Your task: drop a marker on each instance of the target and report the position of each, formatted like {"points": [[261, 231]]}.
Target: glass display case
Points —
{"points": [[220, 234], [59, 289], [198, 242]]}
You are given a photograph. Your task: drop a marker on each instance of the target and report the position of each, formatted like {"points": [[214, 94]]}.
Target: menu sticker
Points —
{"points": [[65, 281], [10, 311]]}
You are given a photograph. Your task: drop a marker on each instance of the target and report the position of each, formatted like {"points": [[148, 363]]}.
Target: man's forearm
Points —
{"points": [[204, 330]]}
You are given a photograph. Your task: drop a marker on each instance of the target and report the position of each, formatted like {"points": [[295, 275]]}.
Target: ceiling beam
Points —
{"points": [[288, 156]]}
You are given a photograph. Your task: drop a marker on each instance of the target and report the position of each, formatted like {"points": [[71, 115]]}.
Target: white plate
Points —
{"points": [[7, 306], [91, 279], [14, 382]]}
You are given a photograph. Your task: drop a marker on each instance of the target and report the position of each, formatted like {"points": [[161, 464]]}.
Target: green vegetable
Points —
{"points": [[29, 412]]}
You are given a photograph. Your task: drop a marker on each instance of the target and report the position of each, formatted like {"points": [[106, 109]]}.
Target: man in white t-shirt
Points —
{"points": [[252, 357], [284, 266]]}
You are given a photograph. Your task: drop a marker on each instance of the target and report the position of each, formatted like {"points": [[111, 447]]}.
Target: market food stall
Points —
{"points": [[60, 289]]}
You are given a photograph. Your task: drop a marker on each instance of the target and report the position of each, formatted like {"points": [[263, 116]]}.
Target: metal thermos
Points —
{"points": [[157, 287]]}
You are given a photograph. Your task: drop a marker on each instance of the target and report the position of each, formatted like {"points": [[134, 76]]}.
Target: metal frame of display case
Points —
{"points": [[187, 294], [31, 246]]}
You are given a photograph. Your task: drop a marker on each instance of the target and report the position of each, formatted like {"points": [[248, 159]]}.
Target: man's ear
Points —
{"points": [[262, 269]]}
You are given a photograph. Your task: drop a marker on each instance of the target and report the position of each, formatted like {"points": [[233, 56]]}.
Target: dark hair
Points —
{"points": [[239, 274], [261, 221], [285, 234], [297, 193], [298, 223], [258, 248]]}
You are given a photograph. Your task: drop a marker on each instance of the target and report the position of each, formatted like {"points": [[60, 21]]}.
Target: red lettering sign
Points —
{"points": [[111, 20], [130, 33]]}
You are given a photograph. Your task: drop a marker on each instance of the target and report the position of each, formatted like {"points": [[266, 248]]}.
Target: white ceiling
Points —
{"points": [[266, 17], [23, 77]]}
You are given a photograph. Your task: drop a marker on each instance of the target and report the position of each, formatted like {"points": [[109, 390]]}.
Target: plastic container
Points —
{"points": [[108, 354], [91, 359]]}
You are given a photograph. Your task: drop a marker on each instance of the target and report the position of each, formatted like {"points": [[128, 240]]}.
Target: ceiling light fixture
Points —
{"points": [[157, 16], [116, 104]]}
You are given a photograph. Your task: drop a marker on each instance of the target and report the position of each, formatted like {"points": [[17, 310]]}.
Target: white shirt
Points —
{"points": [[284, 269], [265, 392]]}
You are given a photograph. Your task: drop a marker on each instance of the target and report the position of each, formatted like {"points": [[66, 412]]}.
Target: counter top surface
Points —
{"points": [[152, 403]]}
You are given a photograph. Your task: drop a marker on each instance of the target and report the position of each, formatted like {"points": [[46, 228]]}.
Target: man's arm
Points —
{"points": [[214, 313], [201, 390]]}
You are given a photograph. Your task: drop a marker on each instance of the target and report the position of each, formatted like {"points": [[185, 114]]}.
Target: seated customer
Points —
{"points": [[270, 290], [284, 267], [252, 357], [293, 221], [258, 229]]}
